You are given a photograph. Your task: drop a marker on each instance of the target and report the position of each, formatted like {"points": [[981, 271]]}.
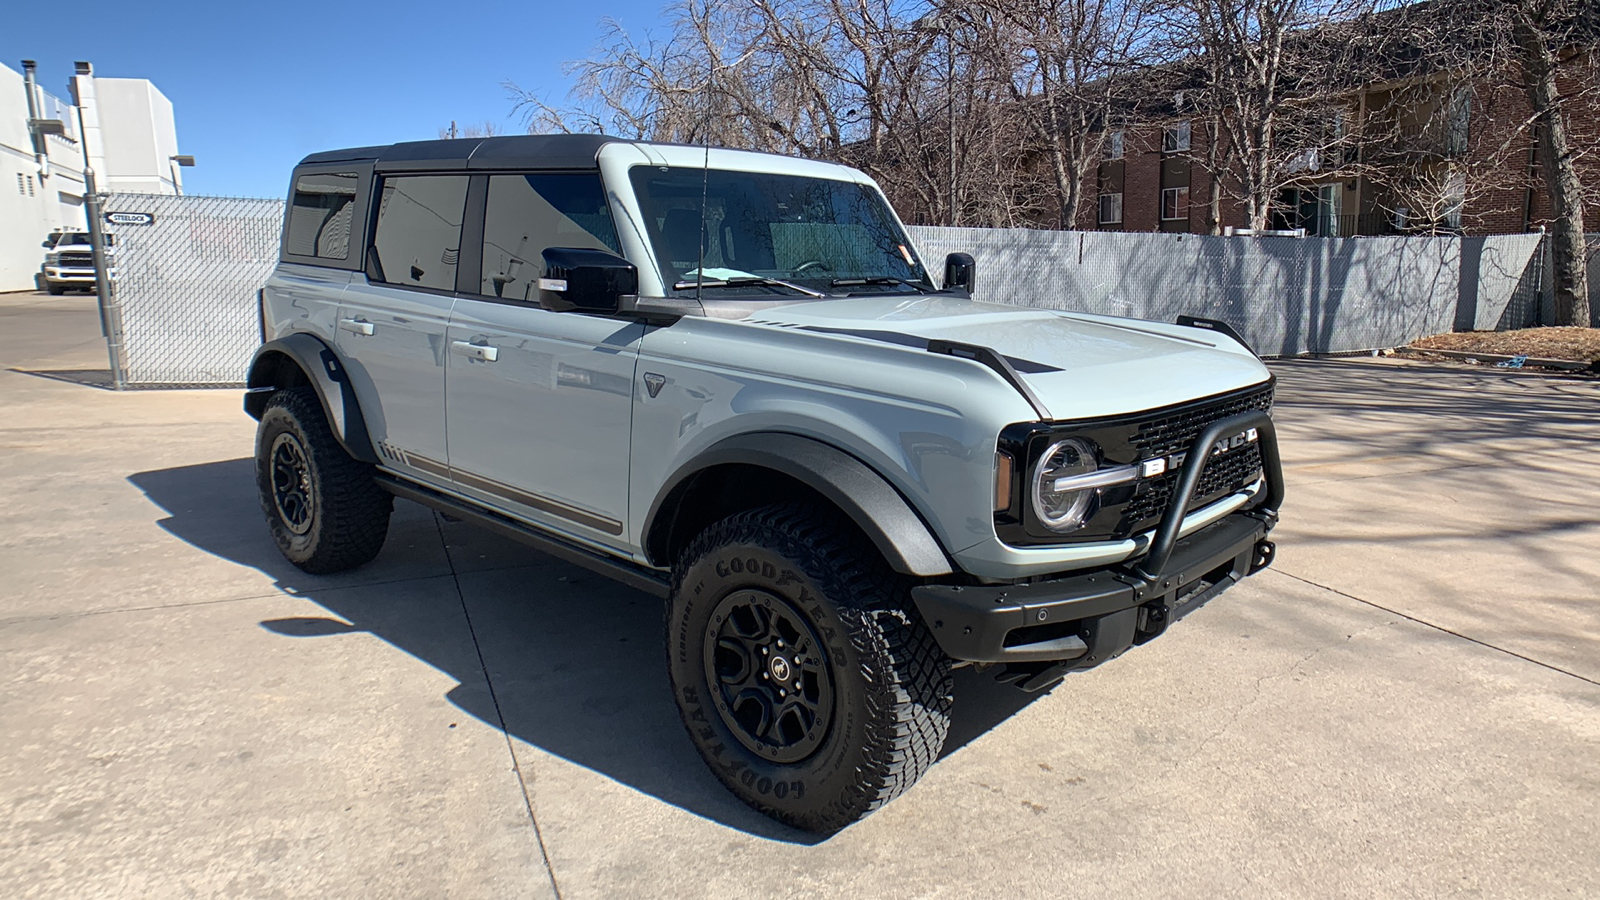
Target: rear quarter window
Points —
{"points": [[320, 215]]}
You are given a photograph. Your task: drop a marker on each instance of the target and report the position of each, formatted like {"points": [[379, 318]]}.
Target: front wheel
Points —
{"points": [[810, 687]]}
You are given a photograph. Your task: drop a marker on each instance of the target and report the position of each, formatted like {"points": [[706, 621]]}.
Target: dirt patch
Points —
{"points": [[1576, 344]]}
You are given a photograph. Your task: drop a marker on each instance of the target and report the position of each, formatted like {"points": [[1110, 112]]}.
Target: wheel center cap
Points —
{"points": [[778, 667]]}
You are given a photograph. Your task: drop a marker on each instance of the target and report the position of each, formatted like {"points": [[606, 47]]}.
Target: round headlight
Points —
{"points": [[1063, 510]]}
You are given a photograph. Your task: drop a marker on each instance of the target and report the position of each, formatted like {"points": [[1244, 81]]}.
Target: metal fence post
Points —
{"points": [[105, 287]]}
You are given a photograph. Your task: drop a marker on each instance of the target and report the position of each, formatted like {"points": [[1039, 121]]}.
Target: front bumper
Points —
{"points": [[72, 275], [1094, 616], [1081, 620]]}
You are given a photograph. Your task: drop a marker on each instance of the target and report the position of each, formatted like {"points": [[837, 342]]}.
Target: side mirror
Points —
{"points": [[581, 280], [960, 271]]}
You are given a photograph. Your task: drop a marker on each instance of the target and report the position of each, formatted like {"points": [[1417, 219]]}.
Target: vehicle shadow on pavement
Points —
{"points": [[574, 661]]}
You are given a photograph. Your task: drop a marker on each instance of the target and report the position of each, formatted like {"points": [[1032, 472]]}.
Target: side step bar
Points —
{"points": [[637, 577]]}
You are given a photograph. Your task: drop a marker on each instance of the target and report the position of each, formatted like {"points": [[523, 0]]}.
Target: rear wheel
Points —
{"points": [[324, 510], [809, 686]]}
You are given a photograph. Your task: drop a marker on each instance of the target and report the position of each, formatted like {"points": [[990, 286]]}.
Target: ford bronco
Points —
{"points": [[728, 379]]}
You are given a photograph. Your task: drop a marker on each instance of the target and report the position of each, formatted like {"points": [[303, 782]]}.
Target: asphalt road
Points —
{"points": [[1406, 705]]}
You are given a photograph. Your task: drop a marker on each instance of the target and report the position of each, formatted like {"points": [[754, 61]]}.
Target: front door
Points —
{"points": [[392, 321], [540, 402]]}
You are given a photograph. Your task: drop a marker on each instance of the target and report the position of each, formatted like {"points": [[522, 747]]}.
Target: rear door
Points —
{"points": [[540, 402], [392, 320]]}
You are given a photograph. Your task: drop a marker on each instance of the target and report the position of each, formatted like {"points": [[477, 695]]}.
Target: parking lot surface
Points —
{"points": [[1406, 705]]}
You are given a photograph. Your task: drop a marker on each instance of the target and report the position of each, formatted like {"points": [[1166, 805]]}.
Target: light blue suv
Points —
{"points": [[728, 379]]}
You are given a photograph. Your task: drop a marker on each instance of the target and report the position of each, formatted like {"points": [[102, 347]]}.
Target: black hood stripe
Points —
{"points": [[1025, 366]]}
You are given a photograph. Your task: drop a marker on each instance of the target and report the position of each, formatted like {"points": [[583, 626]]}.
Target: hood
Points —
{"points": [[1080, 366]]}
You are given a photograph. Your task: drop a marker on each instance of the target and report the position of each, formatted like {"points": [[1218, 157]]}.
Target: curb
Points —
{"points": [[1568, 364]]}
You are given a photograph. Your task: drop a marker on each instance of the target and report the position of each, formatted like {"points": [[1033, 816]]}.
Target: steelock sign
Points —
{"points": [[131, 218]]}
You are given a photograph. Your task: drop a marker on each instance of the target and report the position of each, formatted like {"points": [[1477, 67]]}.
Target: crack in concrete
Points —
{"points": [[1425, 623], [494, 698], [1274, 676]]}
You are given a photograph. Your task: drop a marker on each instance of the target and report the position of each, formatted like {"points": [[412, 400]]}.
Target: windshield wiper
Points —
{"points": [[878, 279], [740, 282]]}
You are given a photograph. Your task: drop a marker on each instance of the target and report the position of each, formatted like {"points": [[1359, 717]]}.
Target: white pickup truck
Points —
{"points": [[69, 261]]}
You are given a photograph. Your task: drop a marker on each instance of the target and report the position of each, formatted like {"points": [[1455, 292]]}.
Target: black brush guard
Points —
{"points": [[1046, 628]]}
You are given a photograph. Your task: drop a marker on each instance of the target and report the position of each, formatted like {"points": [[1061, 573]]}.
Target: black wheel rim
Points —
{"points": [[291, 483], [769, 675]]}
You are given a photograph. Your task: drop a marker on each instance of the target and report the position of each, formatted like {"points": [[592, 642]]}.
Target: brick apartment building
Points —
{"points": [[1440, 154]]}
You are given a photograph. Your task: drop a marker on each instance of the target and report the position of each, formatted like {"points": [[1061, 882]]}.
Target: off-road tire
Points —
{"points": [[891, 684], [347, 513]]}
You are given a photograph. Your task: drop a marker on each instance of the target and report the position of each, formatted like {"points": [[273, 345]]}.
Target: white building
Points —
{"points": [[128, 129]]}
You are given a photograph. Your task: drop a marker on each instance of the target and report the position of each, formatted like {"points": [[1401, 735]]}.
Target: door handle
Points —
{"points": [[356, 326], [475, 351]]}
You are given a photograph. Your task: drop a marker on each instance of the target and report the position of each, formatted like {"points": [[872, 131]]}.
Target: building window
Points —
{"points": [[30, 185], [1175, 203], [20, 189], [1460, 121], [1110, 209], [1114, 144], [1455, 198], [1175, 138]]}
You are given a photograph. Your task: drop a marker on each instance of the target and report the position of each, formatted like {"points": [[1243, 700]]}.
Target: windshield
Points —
{"points": [[778, 234], [81, 238]]}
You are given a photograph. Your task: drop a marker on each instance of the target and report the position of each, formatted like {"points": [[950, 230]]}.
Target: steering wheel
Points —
{"points": [[812, 264]]}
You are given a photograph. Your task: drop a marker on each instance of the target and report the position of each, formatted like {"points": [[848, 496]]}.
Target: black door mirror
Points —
{"points": [[581, 280], [960, 272]]}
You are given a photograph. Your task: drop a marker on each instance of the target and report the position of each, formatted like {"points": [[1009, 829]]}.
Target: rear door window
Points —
{"points": [[418, 238], [320, 215], [526, 214]]}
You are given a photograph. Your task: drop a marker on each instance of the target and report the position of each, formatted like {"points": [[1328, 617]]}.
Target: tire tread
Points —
{"points": [[353, 511], [908, 714]]}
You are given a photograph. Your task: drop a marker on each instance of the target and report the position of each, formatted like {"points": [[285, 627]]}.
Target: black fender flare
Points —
{"points": [[326, 373], [866, 497]]}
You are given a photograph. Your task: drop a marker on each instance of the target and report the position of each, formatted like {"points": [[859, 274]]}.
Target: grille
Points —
{"points": [[76, 259], [1174, 433]]}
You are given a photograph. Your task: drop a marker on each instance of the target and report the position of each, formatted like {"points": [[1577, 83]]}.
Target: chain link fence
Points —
{"points": [[184, 308], [185, 295], [1286, 296]]}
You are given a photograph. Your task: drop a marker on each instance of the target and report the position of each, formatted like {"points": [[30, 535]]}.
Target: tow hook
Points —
{"points": [[1154, 617], [1265, 551]]}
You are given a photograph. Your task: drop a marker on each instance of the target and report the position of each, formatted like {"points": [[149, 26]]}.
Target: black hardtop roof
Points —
{"points": [[541, 151], [522, 151]]}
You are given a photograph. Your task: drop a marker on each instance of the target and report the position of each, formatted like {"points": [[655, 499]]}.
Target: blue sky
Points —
{"points": [[257, 85]]}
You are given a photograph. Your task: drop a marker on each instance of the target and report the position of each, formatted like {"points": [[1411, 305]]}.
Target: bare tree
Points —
{"points": [[869, 82], [1546, 33], [1273, 81], [1438, 129], [486, 128], [1070, 63]]}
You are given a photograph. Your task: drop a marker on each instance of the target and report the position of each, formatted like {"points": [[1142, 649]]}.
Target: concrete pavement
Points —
{"points": [[1406, 705]]}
